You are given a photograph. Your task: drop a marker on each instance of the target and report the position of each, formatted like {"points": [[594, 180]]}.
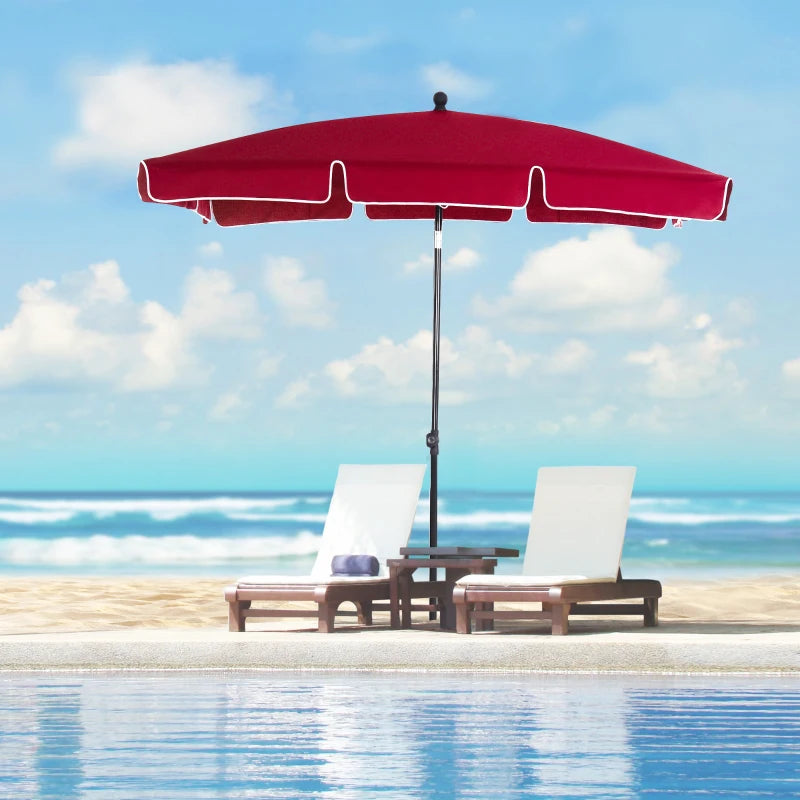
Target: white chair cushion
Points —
{"points": [[528, 580], [254, 581]]}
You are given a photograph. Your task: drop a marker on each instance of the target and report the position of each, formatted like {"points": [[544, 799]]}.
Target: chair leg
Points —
{"points": [[404, 587], [463, 623], [236, 616], [364, 610], [486, 623], [394, 598], [560, 619], [326, 615], [650, 612]]}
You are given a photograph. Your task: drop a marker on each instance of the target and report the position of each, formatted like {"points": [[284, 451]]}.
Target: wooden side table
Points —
{"points": [[456, 563]]}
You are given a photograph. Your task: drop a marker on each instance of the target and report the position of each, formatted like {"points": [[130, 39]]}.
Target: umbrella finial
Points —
{"points": [[439, 101]]}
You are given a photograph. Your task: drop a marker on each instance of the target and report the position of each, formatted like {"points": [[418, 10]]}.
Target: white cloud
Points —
{"points": [[572, 423], [294, 393], [463, 259], [458, 85], [268, 365], [302, 301], [137, 109], [213, 308], [210, 250], [549, 427], [477, 354], [791, 369], [226, 405], [47, 341], [162, 354], [423, 262], [740, 311], [401, 371], [700, 322], [86, 328], [385, 364], [105, 284], [572, 356], [328, 44], [690, 370], [602, 416], [650, 420], [604, 282]]}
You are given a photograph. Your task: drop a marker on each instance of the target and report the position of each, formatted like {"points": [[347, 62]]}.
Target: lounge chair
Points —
{"points": [[572, 558], [371, 513]]}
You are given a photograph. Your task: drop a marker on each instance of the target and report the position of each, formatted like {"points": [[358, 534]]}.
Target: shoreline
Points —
{"points": [[734, 626]]}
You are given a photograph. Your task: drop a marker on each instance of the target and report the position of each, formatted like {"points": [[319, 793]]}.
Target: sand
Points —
{"points": [[731, 625], [48, 605]]}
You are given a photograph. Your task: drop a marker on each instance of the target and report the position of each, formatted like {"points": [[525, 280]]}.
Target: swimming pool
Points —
{"points": [[396, 735]]}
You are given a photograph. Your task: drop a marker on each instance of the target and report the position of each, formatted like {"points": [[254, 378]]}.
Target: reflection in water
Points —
{"points": [[581, 743], [18, 741], [479, 719], [703, 740], [156, 733], [365, 736], [548, 738], [269, 738], [368, 745], [58, 741]]}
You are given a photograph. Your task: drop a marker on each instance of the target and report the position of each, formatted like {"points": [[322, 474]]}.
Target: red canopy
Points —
{"points": [[400, 166]]}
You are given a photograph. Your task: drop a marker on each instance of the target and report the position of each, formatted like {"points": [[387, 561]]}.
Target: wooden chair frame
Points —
{"points": [[328, 597], [558, 602]]}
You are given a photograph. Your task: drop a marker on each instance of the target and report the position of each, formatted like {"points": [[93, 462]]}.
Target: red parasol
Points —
{"points": [[437, 165]]}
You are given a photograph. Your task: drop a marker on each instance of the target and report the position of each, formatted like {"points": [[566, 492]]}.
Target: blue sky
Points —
{"points": [[141, 349]]}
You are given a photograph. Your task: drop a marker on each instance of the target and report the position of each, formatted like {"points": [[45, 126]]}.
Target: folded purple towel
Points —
{"points": [[356, 565]]}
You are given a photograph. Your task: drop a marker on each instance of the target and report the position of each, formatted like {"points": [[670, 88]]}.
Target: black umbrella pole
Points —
{"points": [[432, 439]]}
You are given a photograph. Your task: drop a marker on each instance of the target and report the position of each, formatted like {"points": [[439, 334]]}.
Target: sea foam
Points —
{"points": [[35, 517], [699, 518], [101, 549], [159, 509]]}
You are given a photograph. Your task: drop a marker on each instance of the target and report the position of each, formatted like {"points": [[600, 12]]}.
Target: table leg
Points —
{"points": [[394, 598], [404, 580], [447, 608]]}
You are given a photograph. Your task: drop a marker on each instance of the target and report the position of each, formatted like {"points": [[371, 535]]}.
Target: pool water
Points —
{"points": [[396, 735]]}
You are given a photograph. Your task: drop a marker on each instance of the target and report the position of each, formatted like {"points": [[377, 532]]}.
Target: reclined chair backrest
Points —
{"points": [[371, 512], [578, 521]]}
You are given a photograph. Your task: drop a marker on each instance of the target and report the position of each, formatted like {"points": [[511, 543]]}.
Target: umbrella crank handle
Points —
{"points": [[432, 441]]}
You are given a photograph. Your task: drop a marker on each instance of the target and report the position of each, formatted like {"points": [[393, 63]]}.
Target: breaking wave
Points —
{"points": [[115, 551]]}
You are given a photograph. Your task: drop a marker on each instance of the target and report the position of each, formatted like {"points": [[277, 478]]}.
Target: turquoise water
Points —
{"points": [[683, 534], [396, 736]]}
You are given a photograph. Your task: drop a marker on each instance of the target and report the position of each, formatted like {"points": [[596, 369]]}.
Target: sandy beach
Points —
{"points": [[70, 605], [731, 625]]}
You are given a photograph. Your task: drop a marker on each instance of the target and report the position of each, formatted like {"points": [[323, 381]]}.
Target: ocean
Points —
{"points": [[702, 534]]}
